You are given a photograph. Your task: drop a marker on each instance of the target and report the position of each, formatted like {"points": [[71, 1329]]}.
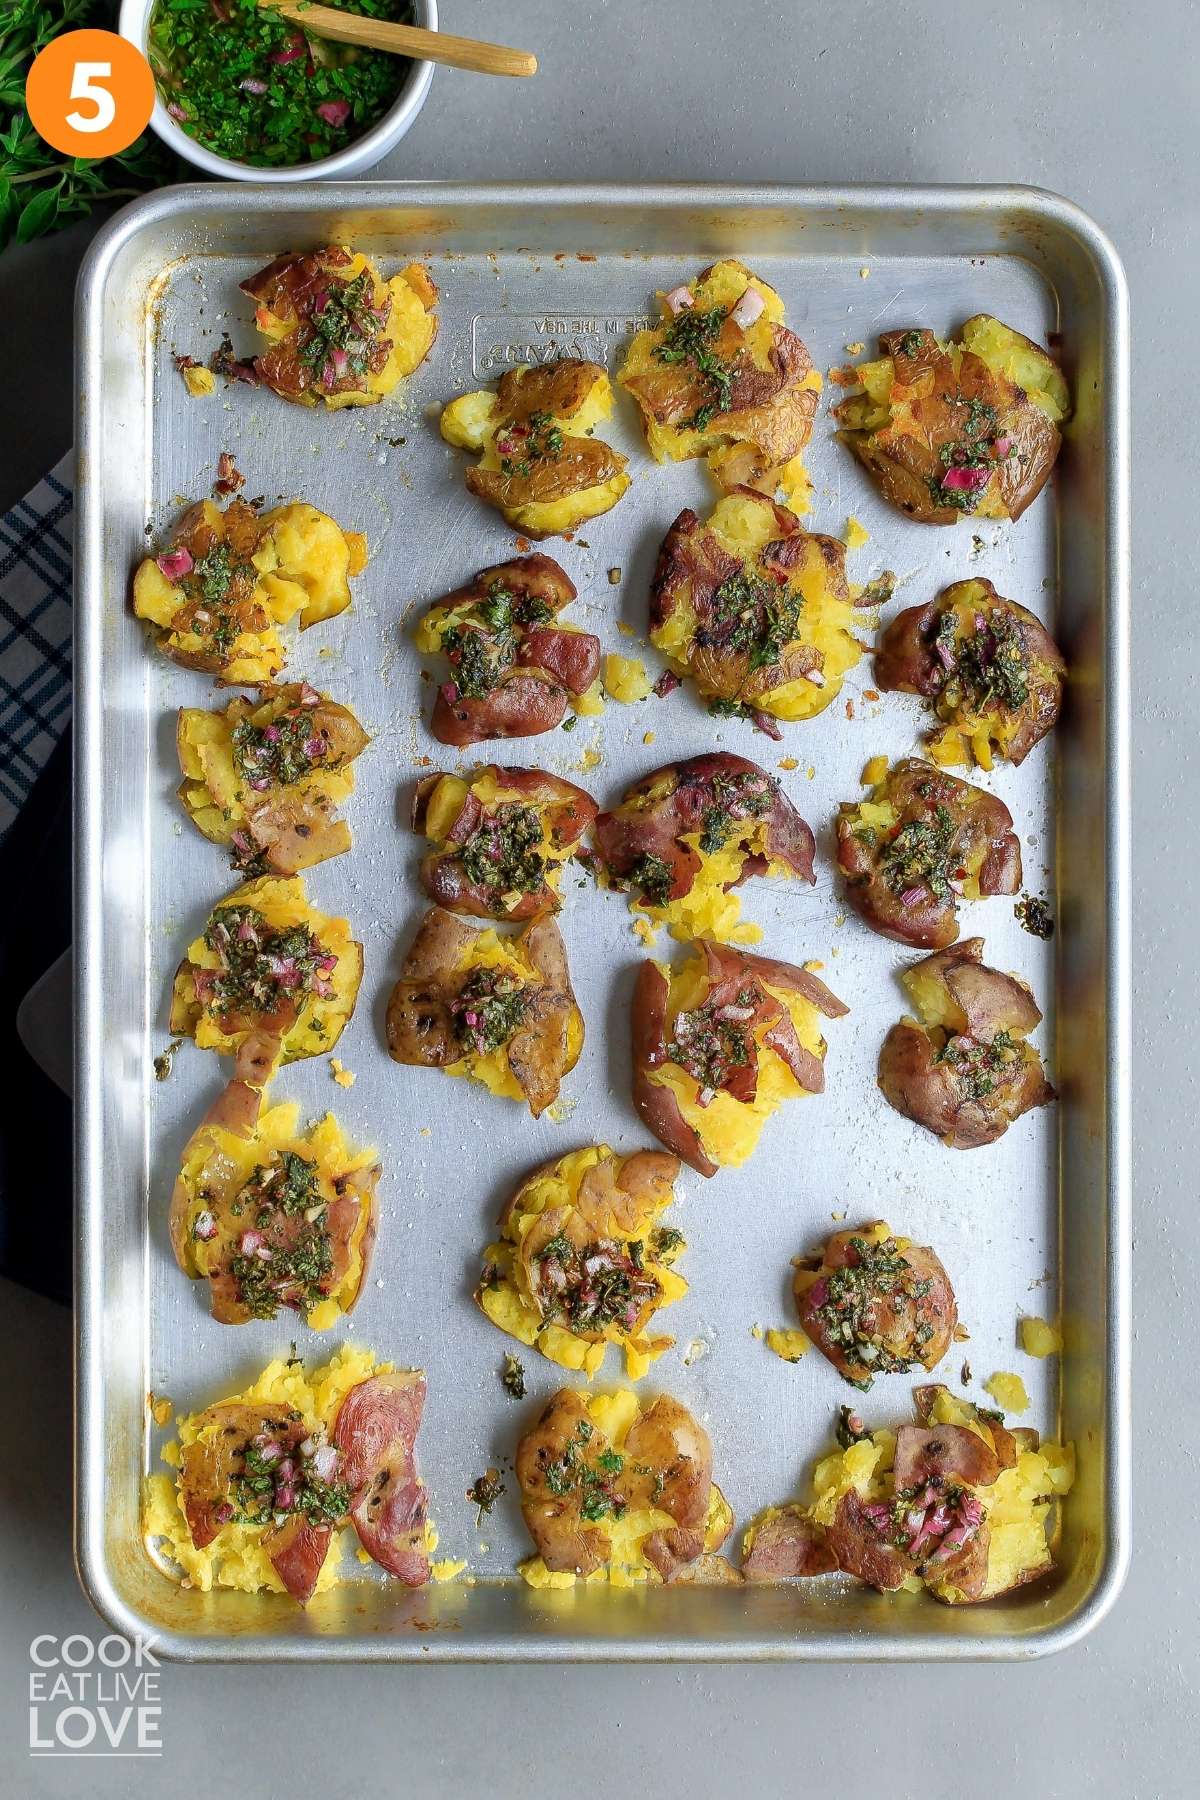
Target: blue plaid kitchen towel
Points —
{"points": [[35, 633]]}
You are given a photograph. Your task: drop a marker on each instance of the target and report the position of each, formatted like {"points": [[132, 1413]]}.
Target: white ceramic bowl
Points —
{"points": [[362, 154]]}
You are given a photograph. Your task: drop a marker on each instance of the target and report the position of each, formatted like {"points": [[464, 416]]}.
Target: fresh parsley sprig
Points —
{"points": [[41, 191]]}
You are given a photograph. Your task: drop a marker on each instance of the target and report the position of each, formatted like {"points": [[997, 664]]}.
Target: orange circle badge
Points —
{"points": [[90, 93]]}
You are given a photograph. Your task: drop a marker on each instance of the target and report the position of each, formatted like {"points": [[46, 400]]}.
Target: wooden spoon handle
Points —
{"points": [[406, 40]]}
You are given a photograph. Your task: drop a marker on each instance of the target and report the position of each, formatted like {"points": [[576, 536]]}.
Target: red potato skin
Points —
{"points": [[926, 1088], [551, 663], [787, 1547], [566, 808], [983, 825], [906, 662], [902, 463], [376, 1431], [643, 825]]}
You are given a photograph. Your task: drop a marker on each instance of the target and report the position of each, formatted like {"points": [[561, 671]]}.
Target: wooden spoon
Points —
{"points": [[405, 40]]}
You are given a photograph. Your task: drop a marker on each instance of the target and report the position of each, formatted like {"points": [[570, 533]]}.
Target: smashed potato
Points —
{"points": [[988, 667], [500, 1010], [964, 1067], [265, 776], [271, 1216], [683, 838], [514, 670], [337, 332], [955, 1504], [612, 1491], [269, 980], [923, 841], [502, 837], [756, 610], [723, 377], [719, 1043], [957, 429], [540, 464], [875, 1304], [581, 1263], [267, 1480], [226, 580]]}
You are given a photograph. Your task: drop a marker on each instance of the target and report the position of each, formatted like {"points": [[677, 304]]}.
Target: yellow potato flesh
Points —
{"points": [[235, 1558], [509, 1302], [283, 903], [744, 527]]}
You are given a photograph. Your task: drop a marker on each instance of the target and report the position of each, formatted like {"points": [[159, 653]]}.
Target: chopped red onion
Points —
{"points": [[325, 1462], [750, 307], [680, 299], [295, 49], [252, 1242], [175, 564], [911, 896], [252, 85], [961, 479], [334, 112], [815, 676], [205, 1227]]}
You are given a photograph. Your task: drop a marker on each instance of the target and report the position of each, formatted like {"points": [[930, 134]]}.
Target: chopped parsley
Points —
{"points": [[1034, 914], [293, 1275], [593, 1286], [981, 1067], [689, 339], [571, 1473], [217, 68], [752, 615], [488, 1009], [735, 799], [280, 753], [854, 1295], [991, 663], [709, 1044], [513, 1376], [260, 963], [504, 852], [538, 440], [921, 855], [164, 1062], [666, 1242], [653, 879], [484, 1492]]}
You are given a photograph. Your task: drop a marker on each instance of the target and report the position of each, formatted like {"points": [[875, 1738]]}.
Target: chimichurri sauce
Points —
{"points": [[251, 86]]}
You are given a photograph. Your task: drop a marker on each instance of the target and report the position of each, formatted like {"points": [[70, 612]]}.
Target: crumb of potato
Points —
{"points": [[447, 1568], [788, 1344], [161, 1409], [837, 1217], [199, 381], [343, 1076], [1038, 1338], [756, 1331], [788, 762], [849, 709], [523, 544], [863, 272], [855, 534], [854, 349], [644, 929], [625, 628], [425, 1131], [698, 1347], [625, 679], [1008, 1391], [647, 737], [614, 577], [591, 759], [560, 1109], [813, 965], [870, 694], [811, 770], [874, 771]]}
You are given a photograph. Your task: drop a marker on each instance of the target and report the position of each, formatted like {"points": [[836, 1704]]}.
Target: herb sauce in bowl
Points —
{"points": [[252, 87]]}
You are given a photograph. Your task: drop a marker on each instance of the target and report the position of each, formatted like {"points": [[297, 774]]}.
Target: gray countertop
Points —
{"points": [[1098, 102]]}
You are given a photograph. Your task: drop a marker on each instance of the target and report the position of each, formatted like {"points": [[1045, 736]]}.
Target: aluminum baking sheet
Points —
{"points": [[1035, 1223]]}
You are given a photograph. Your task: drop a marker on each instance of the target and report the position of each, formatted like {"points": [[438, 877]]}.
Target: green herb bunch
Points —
{"points": [[40, 190]]}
